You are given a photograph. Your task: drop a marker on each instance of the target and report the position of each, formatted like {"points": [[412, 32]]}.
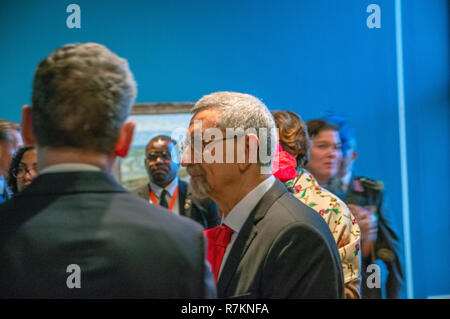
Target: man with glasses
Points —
{"points": [[167, 190], [270, 245], [23, 169]]}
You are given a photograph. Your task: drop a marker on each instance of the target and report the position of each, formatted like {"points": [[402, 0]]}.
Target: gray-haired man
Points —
{"points": [[270, 245]]}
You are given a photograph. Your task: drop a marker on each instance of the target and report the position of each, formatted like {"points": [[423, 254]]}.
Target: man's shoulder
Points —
{"points": [[110, 207], [130, 206], [141, 191], [288, 210]]}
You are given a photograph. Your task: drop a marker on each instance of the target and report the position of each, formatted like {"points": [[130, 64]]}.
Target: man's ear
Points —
{"points": [[251, 151], [354, 156], [125, 139], [27, 126]]}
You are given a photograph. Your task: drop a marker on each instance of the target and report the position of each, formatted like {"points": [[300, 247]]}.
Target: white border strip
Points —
{"points": [[403, 154]]}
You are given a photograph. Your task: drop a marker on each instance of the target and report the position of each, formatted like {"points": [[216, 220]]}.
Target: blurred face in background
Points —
{"points": [[325, 155], [26, 170]]}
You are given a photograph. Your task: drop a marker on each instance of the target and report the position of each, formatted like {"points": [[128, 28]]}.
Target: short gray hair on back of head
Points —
{"points": [[243, 111], [82, 94]]}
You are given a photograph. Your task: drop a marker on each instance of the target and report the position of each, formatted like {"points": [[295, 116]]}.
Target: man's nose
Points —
{"points": [[29, 175], [159, 159]]}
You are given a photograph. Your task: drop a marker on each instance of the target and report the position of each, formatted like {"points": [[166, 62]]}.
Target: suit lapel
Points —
{"points": [[144, 192], [185, 210], [246, 236]]}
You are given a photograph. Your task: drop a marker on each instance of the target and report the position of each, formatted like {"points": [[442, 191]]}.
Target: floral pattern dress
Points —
{"points": [[338, 217]]}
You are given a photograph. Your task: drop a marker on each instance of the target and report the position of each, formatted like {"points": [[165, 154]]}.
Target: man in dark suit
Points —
{"points": [[270, 245], [75, 232], [365, 197], [166, 189]]}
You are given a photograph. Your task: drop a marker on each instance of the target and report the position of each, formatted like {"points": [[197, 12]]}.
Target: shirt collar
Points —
{"points": [[170, 188], [69, 167], [239, 214]]}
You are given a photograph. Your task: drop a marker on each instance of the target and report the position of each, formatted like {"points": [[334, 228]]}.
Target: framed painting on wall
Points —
{"points": [[152, 119]]}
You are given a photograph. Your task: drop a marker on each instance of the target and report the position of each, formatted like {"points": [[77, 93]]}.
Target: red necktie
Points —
{"points": [[218, 239]]}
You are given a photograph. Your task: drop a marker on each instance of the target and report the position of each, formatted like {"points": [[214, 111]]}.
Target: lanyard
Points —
{"points": [[172, 200]]}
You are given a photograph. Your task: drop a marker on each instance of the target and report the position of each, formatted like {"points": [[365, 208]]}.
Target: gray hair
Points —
{"points": [[246, 112], [82, 94]]}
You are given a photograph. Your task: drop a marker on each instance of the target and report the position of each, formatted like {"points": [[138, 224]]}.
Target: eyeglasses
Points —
{"points": [[189, 143], [153, 157], [23, 169]]}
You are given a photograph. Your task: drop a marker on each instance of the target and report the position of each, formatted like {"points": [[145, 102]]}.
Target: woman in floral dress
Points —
{"points": [[292, 156]]}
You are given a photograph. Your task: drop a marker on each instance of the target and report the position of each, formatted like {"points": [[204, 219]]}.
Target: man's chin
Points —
{"points": [[200, 189]]}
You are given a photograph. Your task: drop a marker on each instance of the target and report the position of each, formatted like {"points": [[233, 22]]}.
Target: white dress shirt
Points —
{"points": [[239, 214], [171, 189]]}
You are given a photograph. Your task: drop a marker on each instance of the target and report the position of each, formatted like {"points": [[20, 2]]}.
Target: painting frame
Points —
{"points": [[157, 110]]}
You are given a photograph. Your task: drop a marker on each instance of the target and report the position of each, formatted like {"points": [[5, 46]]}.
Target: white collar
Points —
{"points": [[170, 188], [69, 167], [240, 212]]}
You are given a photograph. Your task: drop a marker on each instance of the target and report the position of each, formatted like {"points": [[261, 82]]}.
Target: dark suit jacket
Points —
{"points": [[387, 242], [203, 211], [284, 250], [124, 247]]}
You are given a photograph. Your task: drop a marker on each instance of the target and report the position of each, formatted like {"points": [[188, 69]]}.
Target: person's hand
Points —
{"points": [[368, 226]]}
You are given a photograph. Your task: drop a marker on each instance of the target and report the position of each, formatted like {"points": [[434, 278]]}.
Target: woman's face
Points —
{"points": [[325, 155], [27, 169]]}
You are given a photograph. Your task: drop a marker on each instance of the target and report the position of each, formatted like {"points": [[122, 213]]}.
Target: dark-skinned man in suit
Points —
{"points": [[166, 189]]}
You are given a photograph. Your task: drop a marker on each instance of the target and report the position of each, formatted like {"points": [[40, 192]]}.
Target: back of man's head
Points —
{"points": [[82, 94]]}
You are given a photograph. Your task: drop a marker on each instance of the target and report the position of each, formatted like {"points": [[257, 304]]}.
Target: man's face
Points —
{"points": [[207, 178], [160, 162], [8, 149]]}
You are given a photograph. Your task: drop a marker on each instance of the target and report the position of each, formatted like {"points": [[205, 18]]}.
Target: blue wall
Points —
{"points": [[305, 56]]}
